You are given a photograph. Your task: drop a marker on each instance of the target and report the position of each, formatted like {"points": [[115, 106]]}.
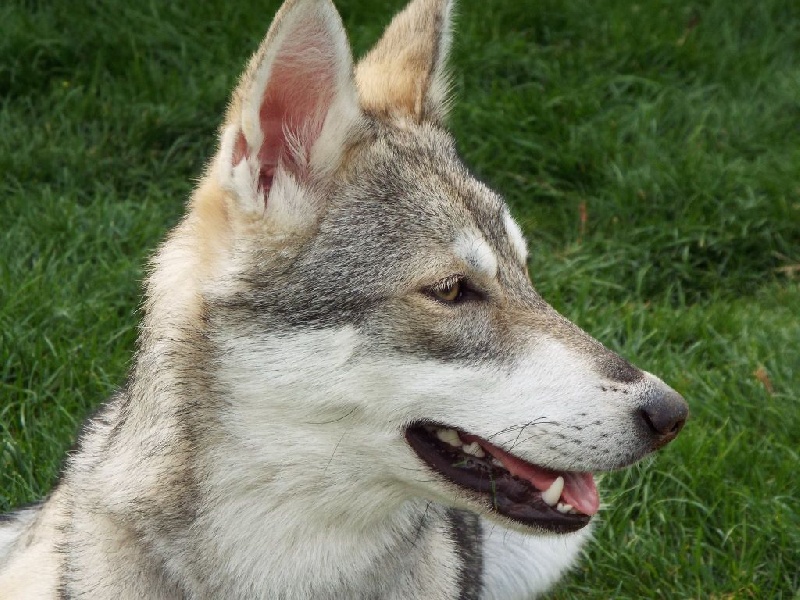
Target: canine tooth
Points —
{"points": [[564, 508], [474, 449], [553, 493], [449, 436], [496, 462]]}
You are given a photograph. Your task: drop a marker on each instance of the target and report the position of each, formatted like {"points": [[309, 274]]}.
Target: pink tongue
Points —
{"points": [[581, 492], [579, 488]]}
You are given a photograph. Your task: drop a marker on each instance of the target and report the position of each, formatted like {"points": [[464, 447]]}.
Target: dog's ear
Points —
{"points": [[405, 73], [290, 116]]}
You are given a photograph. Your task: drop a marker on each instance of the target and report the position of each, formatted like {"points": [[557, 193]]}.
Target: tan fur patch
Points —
{"points": [[210, 220], [403, 75]]}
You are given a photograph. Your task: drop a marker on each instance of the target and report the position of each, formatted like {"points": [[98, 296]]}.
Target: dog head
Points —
{"points": [[366, 296]]}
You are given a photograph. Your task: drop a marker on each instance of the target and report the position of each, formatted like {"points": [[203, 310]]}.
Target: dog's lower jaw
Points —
{"points": [[524, 493]]}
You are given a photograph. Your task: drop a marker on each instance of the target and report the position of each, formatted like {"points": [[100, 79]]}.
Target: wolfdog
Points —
{"points": [[345, 385]]}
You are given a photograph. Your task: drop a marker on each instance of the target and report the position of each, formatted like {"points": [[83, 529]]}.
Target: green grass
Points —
{"points": [[673, 126]]}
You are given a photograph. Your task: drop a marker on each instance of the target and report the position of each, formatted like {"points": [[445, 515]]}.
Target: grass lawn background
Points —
{"points": [[650, 149]]}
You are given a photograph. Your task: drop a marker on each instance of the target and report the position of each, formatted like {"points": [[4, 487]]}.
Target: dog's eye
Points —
{"points": [[449, 291]]}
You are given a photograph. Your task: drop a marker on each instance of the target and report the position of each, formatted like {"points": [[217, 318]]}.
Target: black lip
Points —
{"points": [[507, 495]]}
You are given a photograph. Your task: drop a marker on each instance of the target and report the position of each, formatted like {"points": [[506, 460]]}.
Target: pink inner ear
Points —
{"points": [[296, 100], [239, 149]]}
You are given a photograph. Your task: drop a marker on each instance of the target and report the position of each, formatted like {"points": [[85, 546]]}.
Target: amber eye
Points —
{"points": [[448, 291]]}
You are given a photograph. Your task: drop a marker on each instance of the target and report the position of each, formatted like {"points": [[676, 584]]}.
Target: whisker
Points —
{"points": [[333, 420]]}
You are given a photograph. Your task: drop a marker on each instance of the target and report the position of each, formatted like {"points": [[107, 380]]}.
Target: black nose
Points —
{"points": [[664, 415]]}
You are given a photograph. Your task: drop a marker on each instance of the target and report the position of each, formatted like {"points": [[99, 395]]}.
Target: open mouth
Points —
{"points": [[558, 501]]}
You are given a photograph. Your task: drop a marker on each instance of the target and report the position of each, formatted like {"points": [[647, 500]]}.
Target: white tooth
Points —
{"points": [[553, 493], [474, 449], [497, 463], [449, 436], [564, 508]]}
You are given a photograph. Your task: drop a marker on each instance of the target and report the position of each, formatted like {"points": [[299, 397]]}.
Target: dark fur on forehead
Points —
{"points": [[421, 183], [413, 150]]}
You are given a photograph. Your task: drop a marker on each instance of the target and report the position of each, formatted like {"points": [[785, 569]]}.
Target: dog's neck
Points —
{"points": [[293, 522], [287, 497]]}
